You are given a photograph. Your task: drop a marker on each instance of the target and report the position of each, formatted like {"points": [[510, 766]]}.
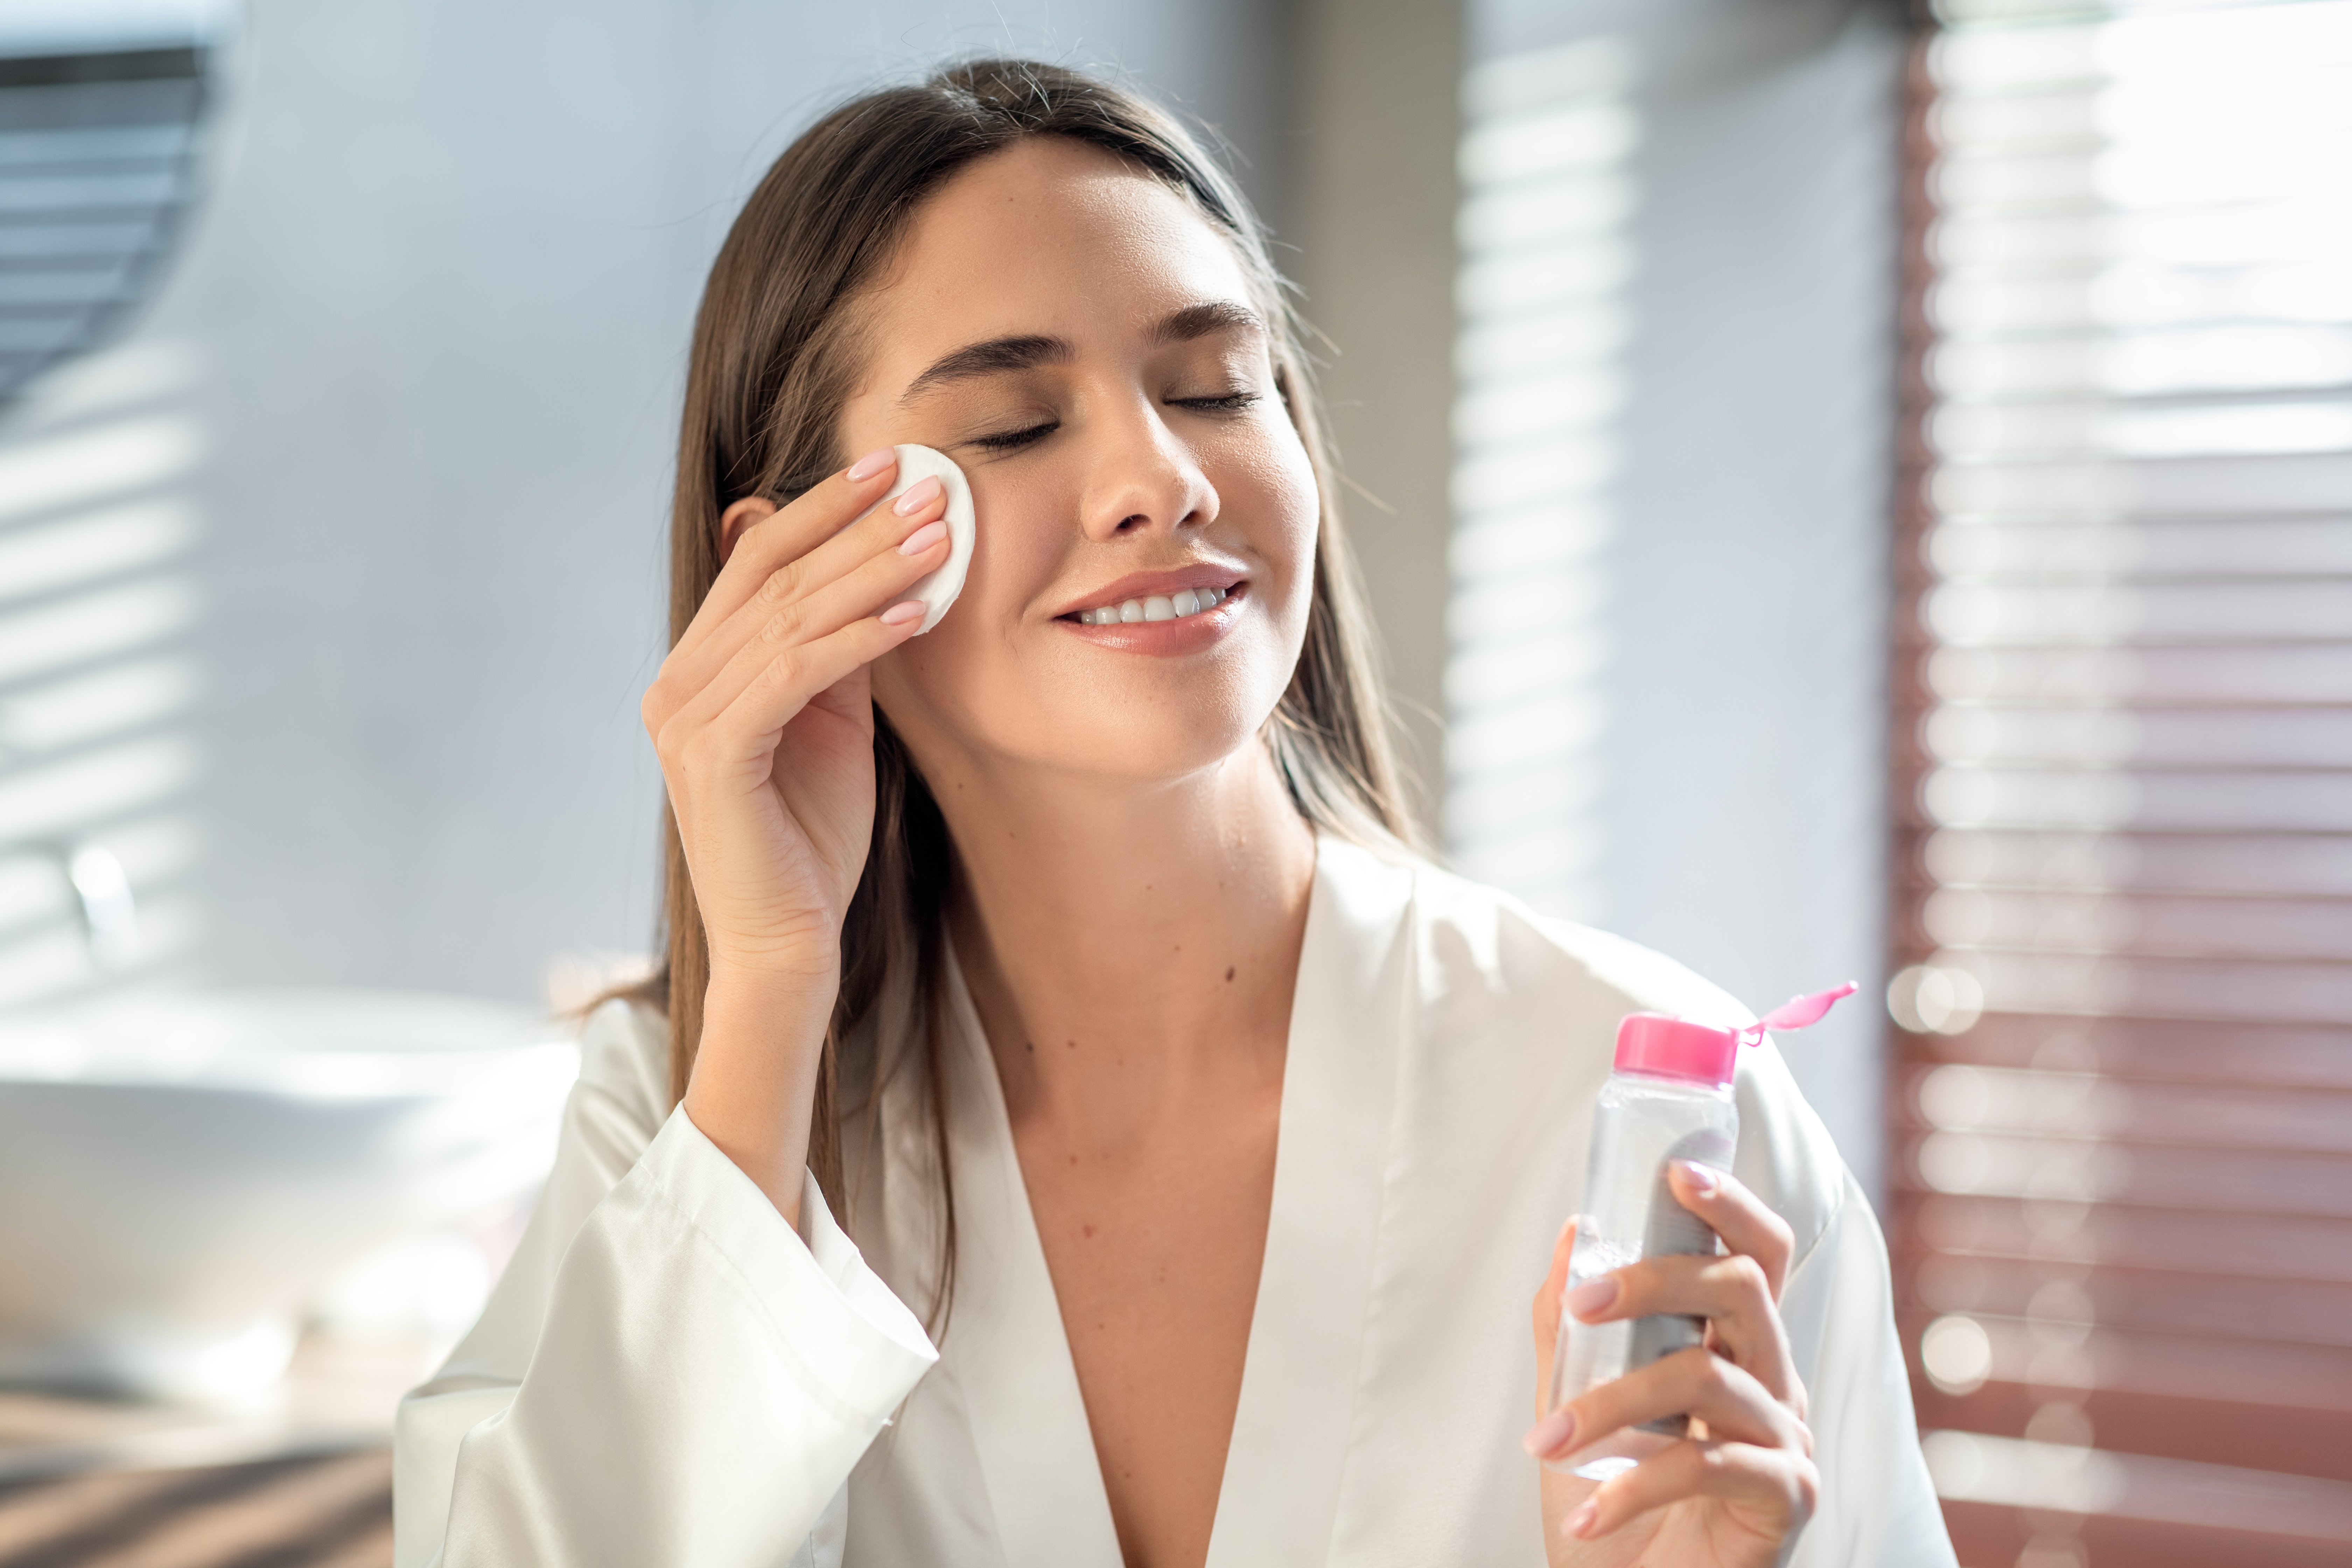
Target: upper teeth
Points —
{"points": [[1158, 607]]}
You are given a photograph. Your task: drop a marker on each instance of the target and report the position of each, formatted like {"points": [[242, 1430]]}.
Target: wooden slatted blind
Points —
{"points": [[2123, 1217]]}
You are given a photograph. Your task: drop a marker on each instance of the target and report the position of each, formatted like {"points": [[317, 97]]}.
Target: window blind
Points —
{"points": [[97, 170], [2123, 1217]]}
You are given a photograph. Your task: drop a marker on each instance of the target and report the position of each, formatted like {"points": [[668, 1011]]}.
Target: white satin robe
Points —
{"points": [[670, 1375]]}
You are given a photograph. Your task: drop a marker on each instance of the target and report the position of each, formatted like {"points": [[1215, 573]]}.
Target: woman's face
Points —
{"points": [[1084, 344]]}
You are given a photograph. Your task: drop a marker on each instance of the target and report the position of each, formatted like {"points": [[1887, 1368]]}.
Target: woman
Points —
{"points": [[1200, 1141]]}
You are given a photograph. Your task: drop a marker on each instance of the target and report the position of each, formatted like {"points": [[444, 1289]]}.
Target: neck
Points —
{"points": [[1131, 949]]}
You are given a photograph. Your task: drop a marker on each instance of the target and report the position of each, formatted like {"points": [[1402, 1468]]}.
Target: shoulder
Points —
{"points": [[1471, 939], [1492, 975]]}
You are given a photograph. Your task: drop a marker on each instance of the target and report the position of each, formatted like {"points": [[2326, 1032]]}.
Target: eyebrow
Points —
{"points": [[1201, 320], [994, 357], [998, 356]]}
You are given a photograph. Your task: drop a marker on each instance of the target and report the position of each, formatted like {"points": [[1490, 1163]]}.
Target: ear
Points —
{"points": [[745, 514]]}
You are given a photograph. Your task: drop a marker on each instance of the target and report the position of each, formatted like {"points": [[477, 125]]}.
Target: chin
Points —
{"points": [[1127, 727], [1047, 699], [1127, 759], [1140, 739]]}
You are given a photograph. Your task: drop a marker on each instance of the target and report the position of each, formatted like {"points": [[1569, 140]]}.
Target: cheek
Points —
{"points": [[1299, 506], [966, 676], [1020, 542], [1268, 488]]}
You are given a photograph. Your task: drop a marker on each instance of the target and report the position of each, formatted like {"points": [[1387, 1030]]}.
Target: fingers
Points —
{"points": [[766, 680], [1738, 1216], [792, 531], [788, 683], [859, 573], [790, 553], [793, 562], [1751, 1452], [1771, 1491], [1547, 1297], [1546, 1311], [1732, 1294], [1697, 1382], [732, 748]]}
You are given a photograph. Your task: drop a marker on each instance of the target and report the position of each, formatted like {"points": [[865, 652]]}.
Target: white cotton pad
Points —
{"points": [[939, 590]]}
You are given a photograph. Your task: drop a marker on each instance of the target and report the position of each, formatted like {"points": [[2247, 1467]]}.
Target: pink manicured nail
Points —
{"points": [[923, 493], [1579, 1523], [899, 615], [1702, 1179], [1593, 1297], [1552, 1434], [923, 538], [873, 463]]}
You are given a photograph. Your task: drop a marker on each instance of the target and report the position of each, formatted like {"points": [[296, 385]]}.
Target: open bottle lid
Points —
{"points": [[1660, 1045]]}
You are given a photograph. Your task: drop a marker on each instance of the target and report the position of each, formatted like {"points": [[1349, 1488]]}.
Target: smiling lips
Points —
{"points": [[1176, 606]]}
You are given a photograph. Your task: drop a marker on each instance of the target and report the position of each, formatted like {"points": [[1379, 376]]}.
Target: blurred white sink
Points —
{"points": [[179, 1175]]}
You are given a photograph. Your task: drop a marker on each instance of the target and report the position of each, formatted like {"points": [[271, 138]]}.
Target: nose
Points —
{"points": [[1144, 479]]}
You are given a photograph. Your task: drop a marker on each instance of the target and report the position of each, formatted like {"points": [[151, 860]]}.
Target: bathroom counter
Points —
{"points": [[299, 1479], [319, 1510]]}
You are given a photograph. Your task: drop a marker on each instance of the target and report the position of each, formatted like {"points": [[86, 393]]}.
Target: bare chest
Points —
{"points": [[1155, 1253]]}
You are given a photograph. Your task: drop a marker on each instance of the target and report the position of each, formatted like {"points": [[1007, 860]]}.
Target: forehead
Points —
{"points": [[1051, 236]]}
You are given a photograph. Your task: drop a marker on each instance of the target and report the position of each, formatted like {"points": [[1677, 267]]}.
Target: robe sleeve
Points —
{"points": [[668, 1373], [1878, 1507]]}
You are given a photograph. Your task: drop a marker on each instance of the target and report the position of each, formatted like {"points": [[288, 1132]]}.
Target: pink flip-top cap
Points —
{"points": [[1663, 1047]]}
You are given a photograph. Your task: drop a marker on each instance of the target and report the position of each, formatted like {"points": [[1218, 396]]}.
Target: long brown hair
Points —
{"points": [[772, 362]]}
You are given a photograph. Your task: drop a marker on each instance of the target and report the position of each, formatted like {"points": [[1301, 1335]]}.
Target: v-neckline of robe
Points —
{"points": [[1286, 1462]]}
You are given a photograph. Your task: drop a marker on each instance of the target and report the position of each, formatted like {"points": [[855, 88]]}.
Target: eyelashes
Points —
{"points": [[1226, 403], [1013, 440]]}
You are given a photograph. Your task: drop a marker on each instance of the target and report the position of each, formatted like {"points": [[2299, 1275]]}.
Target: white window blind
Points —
{"points": [[2123, 1222]]}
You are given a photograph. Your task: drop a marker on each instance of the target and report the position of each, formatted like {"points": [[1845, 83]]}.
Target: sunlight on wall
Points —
{"points": [[1547, 256], [96, 677]]}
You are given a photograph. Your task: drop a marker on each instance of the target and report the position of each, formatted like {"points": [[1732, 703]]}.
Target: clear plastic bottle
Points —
{"points": [[1669, 1099]]}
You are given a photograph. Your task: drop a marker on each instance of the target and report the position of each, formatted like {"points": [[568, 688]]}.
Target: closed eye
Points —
{"points": [[1227, 403], [1012, 440]]}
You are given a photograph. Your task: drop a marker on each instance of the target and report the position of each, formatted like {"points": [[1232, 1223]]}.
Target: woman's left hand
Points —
{"points": [[1731, 1494]]}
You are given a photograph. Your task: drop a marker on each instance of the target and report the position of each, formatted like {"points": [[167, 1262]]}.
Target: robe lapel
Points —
{"points": [[1004, 1340], [1350, 1018]]}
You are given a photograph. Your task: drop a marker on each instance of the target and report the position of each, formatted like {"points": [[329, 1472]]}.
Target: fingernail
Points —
{"points": [[1579, 1523], [1552, 1434], [923, 493], [899, 615], [873, 463], [1701, 1178], [1593, 1298], [923, 538]]}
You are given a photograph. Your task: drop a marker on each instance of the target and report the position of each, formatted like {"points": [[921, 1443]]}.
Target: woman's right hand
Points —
{"points": [[763, 719]]}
